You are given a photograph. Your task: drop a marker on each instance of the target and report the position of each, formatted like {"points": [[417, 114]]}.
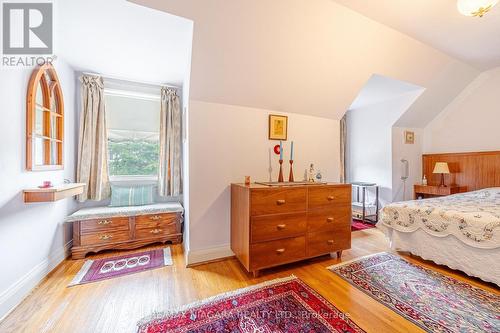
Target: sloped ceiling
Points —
{"points": [[300, 56], [439, 24], [121, 39], [380, 89]]}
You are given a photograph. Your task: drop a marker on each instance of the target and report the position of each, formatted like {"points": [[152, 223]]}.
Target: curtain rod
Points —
{"points": [[132, 81]]}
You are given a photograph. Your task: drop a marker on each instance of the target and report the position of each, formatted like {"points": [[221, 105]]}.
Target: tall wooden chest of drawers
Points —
{"points": [[271, 226]]}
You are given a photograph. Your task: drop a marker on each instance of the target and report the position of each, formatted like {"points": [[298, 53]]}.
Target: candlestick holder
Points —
{"points": [[280, 177], [290, 177]]}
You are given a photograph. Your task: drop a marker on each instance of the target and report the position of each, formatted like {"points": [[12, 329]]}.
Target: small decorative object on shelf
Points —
{"points": [[310, 177], [424, 181], [319, 176], [46, 184], [247, 180]]}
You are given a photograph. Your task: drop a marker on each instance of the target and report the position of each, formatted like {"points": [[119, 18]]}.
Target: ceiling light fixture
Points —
{"points": [[475, 8]]}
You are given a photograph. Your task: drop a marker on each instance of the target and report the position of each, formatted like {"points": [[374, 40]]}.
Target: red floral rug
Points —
{"points": [[108, 268], [279, 306], [358, 225], [433, 301]]}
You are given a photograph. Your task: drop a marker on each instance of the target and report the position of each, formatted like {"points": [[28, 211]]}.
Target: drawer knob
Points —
{"points": [[155, 231], [280, 202], [280, 251], [330, 219], [281, 226], [331, 198], [104, 222], [105, 237], [155, 217], [330, 242]]}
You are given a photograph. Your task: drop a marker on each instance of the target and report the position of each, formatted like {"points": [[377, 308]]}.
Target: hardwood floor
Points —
{"points": [[116, 305]]}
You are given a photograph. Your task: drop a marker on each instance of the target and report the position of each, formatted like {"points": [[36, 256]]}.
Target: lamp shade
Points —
{"points": [[441, 167]]}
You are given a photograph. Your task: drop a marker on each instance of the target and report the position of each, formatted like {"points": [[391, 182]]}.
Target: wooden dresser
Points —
{"points": [[94, 235], [271, 226]]}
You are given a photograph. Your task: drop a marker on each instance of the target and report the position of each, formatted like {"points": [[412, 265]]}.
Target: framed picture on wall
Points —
{"points": [[278, 127], [409, 137]]}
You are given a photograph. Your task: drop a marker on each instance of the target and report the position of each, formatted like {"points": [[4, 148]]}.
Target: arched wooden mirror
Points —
{"points": [[44, 120]]}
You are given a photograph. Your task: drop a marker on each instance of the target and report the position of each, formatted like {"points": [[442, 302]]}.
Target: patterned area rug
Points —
{"points": [[279, 306], [431, 300], [108, 268], [357, 225]]}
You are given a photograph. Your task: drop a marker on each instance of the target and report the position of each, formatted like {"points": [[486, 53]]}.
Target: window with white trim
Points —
{"points": [[133, 126]]}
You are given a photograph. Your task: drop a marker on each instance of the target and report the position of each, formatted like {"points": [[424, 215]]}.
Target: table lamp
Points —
{"points": [[442, 168]]}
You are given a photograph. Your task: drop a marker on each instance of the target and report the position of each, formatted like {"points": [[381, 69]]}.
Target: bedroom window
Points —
{"points": [[132, 122]]}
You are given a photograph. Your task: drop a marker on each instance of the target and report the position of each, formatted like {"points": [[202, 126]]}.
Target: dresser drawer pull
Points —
{"points": [[330, 242], [280, 251], [330, 219], [281, 226], [155, 231], [280, 202], [104, 222], [155, 217], [331, 198], [105, 237]]}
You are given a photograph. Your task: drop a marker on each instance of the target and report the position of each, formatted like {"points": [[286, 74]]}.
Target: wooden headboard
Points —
{"points": [[475, 170]]}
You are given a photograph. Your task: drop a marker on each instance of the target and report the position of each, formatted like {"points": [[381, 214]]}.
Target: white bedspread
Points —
{"points": [[473, 217]]}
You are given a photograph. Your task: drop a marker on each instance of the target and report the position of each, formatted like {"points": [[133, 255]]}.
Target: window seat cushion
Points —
{"points": [[108, 212]]}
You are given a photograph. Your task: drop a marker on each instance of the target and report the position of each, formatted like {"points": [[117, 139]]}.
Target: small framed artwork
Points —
{"points": [[278, 127], [409, 137]]}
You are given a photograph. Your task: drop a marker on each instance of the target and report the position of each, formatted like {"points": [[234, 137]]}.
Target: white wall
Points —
{"points": [[471, 121], [370, 142], [33, 239], [227, 143]]}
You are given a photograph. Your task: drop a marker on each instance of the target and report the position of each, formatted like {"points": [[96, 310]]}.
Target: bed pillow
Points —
{"points": [[131, 195]]}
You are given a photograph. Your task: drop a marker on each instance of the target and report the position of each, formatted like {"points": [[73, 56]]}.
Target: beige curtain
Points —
{"points": [[170, 167], [343, 139], [92, 167]]}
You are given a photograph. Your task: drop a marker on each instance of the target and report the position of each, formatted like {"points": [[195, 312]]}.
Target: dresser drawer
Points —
{"points": [[104, 237], [327, 220], [280, 200], [156, 220], [265, 228], [156, 232], [277, 252], [106, 224], [325, 197], [320, 243]]}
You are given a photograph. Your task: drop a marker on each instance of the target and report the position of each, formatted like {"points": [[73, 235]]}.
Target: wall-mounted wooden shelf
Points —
{"points": [[53, 193]]}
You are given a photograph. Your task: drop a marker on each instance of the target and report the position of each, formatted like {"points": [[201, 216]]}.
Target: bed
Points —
{"points": [[461, 231]]}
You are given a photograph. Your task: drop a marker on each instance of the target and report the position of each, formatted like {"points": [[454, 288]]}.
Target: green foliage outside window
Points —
{"points": [[133, 157]]}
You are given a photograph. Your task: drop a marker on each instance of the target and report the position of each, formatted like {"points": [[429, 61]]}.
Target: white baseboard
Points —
{"points": [[213, 253], [17, 292]]}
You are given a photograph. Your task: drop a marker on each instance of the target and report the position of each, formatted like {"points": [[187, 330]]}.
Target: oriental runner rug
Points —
{"points": [[108, 268], [279, 306], [431, 300]]}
